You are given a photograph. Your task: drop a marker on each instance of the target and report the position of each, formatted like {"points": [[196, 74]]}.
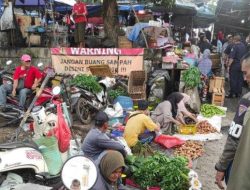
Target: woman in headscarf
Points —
{"points": [[205, 67], [110, 166], [205, 63], [165, 113]]}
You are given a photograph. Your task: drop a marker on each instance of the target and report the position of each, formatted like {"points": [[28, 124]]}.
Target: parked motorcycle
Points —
{"points": [[26, 158], [86, 103], [14, 113]]}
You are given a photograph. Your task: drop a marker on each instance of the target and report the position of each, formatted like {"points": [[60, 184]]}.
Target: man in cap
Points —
{"points": [[237, 150], [26, 78], [97, 140], [138, 122]]}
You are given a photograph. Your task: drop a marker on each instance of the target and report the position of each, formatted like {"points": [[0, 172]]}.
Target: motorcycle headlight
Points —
{"points": [[56, 90]]}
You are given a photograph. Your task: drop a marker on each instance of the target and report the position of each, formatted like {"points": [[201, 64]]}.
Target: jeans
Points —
{"points": [[147, 137], [227, 173], [6, 89]]}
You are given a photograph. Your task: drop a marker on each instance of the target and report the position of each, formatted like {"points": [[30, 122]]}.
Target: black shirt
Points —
{"points": [[204, 45], [228, 49], [237, 52]]}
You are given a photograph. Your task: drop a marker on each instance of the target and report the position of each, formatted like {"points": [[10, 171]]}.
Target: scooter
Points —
{"points": [[86, 103], [27, 160]]}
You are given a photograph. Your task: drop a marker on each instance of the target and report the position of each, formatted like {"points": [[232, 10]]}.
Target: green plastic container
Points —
{"points": [[51, 154]]}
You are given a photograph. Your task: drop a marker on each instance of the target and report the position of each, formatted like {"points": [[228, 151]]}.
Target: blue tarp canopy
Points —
{"points": [[128, 7], [41, 2], [29, 2], [137, 7], [92, 9]]}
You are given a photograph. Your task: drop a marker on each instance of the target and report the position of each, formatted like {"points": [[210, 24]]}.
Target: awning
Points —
{"points": [[184, 7], [204, 17], [181, 7], [29, 2], [41, 2], [128, 7]]}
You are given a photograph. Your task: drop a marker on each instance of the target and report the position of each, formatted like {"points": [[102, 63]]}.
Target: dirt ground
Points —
{"points": [[205, 164], [213, 150]]}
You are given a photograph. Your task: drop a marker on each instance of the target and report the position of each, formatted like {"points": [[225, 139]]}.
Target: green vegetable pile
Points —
{"points": [[142, 150], [209, 110], [191, 77], [119, 91], [160, 171], [87, 82]]}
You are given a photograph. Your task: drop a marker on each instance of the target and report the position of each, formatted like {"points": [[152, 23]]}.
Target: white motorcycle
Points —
{"points": [[28, 159]]}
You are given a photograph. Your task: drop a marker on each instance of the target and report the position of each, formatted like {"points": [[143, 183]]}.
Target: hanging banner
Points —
{"points": [[78, 60]]}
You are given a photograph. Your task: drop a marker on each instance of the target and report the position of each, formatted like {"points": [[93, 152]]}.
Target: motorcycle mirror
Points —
{"points": [[40, 64], [9, 62], [56, 90], [79, 172]]}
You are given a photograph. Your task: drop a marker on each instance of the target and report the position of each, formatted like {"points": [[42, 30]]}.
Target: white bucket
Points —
{"points": [[39, 116]]}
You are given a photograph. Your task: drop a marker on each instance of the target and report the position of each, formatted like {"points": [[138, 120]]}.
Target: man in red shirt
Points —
{"points": [[79, 13], [26, 78]]}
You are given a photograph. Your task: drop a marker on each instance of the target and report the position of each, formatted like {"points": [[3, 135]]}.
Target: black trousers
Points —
{"points": [[236, 80]]}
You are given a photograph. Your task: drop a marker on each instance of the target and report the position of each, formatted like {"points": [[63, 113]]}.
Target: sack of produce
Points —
{"points": [[195, 102]]}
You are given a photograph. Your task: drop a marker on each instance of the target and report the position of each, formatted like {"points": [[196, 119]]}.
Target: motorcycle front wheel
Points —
{"points": [[83, 111]]}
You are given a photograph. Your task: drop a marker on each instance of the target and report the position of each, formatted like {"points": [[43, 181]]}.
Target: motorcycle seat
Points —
{"points": [[14, 145]]}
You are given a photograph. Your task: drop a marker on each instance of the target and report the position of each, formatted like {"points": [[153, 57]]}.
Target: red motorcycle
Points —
{"points": [[42, 100], [14, 113]]}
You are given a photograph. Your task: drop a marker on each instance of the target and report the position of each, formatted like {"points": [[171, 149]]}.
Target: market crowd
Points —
{"points": [[143, 126]]}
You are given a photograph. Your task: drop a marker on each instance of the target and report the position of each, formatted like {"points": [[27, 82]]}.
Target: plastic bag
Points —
{"points": [[168, 141], [115, 111], [124, 143], [62, 131]]}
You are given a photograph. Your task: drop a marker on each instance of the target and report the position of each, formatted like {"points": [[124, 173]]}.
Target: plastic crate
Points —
{"points": [[125, 102], [116, 133], [137, 82], [115, 120]]}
